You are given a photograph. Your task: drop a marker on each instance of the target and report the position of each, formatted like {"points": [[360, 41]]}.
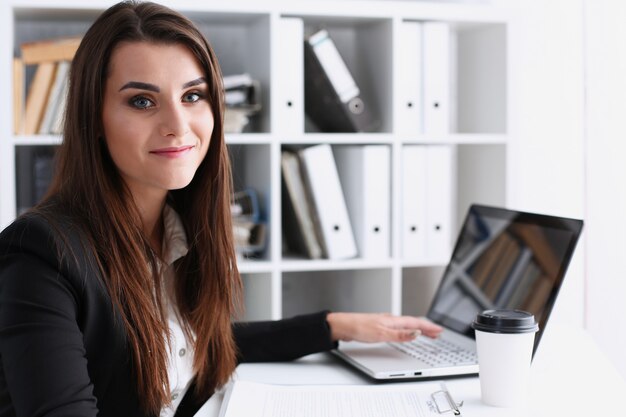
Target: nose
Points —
{"points": [[173, 120]]}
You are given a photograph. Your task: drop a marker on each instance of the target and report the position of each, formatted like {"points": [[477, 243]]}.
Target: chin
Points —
{"points": [[178, 183]]}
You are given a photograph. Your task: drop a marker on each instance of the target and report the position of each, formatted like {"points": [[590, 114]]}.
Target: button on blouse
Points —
{"points": [[180, 363]]}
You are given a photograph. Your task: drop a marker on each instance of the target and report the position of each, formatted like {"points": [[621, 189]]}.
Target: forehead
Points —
{"points": [[153, 62]]}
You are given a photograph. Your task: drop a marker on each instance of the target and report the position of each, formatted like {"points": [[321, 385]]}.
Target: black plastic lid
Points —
{"points": [[505, 321]]}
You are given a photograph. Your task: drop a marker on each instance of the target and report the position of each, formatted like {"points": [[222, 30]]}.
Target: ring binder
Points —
{"points": [[444, 396]]}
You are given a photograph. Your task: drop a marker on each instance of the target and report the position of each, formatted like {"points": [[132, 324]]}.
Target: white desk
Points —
{"points": [[569, 376]]}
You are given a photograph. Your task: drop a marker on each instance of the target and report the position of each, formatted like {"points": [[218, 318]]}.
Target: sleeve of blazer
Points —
{"points": [[43, 366], [282, 340], [271, 341]]}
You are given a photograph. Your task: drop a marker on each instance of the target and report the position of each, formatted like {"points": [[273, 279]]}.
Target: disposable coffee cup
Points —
{"points": [[504, 343]]}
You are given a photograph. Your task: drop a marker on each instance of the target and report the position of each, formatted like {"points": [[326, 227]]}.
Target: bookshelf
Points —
{"points": [[249, 37]]}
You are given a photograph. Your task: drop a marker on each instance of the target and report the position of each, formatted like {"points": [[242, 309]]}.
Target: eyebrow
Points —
{"points": [[151, 87]]}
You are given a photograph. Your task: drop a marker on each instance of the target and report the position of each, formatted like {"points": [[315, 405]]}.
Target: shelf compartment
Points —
{"points": [[365, 46], [419, 285], [481, 178], [251, 169], [481, 78], [241, 42], [34, 166], [257, 296], [346, 290], [451, 78]]}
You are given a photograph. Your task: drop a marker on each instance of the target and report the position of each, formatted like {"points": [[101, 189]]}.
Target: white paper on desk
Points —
{"points": [[211, 408], [251, 399]]}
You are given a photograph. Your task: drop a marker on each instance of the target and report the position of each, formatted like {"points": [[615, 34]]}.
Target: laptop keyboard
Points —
{"points": [[436, 352]]}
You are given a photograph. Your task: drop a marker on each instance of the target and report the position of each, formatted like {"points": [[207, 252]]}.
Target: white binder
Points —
{"points": [[414, 191], [365, 175], [427, 201], [409, 79], [436, 79], [289, 76], [440, 176], [331, 214]]}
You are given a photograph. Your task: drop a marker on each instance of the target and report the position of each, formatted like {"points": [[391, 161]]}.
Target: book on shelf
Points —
{"points": [[242, 99], [56, 102], [18, 95], [37, 97], [49, 50], [333, 100], [34, 168], [300, 236], [45, 100], [249, 237], [249, 229]]}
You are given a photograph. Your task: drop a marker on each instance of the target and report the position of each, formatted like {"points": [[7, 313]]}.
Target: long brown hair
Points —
{"points": [[89, 187]]}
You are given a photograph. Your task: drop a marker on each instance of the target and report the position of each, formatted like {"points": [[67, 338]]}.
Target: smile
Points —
{"points": [[172, 152]]}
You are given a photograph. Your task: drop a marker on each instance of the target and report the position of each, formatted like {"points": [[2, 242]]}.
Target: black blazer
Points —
{"points": [[64, 352]]}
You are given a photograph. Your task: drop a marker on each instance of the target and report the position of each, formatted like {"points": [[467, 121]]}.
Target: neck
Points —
{"points": [[151, 213], [154, 230]]}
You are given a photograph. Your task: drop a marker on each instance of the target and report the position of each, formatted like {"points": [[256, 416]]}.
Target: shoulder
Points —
{"points": [[29, 233], [47, 237]]}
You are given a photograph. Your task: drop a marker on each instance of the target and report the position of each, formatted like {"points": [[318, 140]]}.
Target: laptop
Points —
{"points": [[502, 259]]}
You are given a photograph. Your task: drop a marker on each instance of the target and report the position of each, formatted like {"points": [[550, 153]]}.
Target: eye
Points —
{"points": [[141, 102], [192, 97]]}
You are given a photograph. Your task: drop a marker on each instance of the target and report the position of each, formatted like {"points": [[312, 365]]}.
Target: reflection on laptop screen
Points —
{"points": [[504, 259]]}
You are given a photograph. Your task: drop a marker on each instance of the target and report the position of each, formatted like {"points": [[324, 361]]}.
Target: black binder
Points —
{"points": [[329, 109]]}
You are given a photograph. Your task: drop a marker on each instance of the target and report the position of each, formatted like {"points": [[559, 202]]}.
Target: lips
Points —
{"points": [[172, 152]]}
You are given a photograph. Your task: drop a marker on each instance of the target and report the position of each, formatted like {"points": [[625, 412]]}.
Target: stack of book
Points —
{"points": [[242, 100], [34, 167], [248, 228], [46, 95]]}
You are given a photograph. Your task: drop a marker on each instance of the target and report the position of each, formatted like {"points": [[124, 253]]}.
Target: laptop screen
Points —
{"points": [[504, 259]]}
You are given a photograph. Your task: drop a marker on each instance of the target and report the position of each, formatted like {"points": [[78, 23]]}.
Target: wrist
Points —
{"points": [[336, 325]]}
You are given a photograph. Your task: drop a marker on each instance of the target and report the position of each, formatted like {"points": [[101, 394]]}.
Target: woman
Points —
{"points": [[117, 291]]}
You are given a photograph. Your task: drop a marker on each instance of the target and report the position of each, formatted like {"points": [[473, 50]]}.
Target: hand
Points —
{"points": [[370, 327]]}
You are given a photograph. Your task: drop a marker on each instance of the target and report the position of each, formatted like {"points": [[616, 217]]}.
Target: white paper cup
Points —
{"points": [[504, 343]]}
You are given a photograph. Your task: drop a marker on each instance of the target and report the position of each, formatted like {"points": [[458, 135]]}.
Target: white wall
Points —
{"points": [[570, 151], [546, 160], [606, 175]]}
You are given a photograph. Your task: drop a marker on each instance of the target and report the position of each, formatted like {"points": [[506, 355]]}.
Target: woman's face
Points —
{"points": [[156, 115]]}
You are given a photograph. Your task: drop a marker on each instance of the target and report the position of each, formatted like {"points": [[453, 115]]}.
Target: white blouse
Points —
{"points": [[180, 364]]}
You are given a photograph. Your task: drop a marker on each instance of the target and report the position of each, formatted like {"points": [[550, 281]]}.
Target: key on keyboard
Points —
{"points": [[436, 352]]}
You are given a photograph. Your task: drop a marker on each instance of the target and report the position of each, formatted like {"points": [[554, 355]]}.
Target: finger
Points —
{"points": [[430, 329], [410, 322], [402, 335], [402, 322], [414, 324]]}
